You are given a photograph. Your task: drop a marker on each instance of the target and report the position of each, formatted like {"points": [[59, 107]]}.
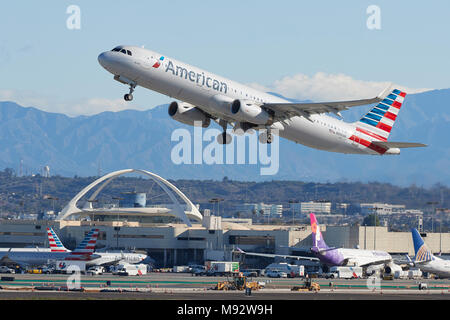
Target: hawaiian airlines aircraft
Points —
{"points": [[342, 256], [426, 261], [202, 96]]}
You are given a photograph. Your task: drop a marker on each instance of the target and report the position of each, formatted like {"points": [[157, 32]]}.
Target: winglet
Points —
{"points": [[385, 92]]}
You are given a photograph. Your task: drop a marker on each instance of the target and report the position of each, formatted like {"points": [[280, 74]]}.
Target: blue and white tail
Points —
{"points": [[378, 122], [86, 248], [423, 254], [54, 242]]}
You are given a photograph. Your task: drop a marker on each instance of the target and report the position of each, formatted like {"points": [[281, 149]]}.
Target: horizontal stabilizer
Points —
{"points": [[388, 145]]}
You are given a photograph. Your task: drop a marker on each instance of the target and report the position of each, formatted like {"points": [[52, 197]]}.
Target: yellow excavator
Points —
{"points": [[309, 285], [239, 282]]}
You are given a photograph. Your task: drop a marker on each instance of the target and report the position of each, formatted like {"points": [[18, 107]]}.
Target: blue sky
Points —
{"points": [[320, 50]]}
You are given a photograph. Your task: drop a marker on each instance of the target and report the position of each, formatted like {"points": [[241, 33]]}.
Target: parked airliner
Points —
{"points": [[83, 252], [98, 258], [202, 96], [376, 259], [426, 261]]}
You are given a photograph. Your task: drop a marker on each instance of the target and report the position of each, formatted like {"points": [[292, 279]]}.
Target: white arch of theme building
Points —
{"points": [[190, 211]]}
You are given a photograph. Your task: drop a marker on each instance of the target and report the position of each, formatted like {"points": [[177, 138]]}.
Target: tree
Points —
{"points": [[371, 220]]}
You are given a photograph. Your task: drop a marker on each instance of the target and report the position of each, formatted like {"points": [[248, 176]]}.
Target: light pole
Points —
{"points": [[118, 205], [432, 203], [216, 200], [291, 202]]}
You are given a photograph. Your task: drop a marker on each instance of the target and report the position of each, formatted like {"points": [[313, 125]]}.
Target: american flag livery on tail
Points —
{"points": [[54, 242], [373, 130], [86, 248]]}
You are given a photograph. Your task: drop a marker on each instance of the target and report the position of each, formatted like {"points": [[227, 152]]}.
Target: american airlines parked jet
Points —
{"points": [[83, 252], [203, 96], [426, 261], [98, 258]]}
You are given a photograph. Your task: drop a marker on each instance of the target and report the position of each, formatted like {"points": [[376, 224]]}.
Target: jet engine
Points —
{"points": [[188, 114], [249, 112]]}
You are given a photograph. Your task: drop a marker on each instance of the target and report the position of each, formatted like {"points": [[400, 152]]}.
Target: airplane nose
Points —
{"points": [[102, 59]]}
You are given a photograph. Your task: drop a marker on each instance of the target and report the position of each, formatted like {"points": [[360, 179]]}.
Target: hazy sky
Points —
{"points": [[302, 49]]}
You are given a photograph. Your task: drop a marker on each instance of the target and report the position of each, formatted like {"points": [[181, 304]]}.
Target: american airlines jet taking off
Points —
{"points": [[203, 96]]}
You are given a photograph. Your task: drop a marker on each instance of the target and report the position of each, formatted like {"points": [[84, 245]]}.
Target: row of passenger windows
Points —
{"points": [[119, 49]]}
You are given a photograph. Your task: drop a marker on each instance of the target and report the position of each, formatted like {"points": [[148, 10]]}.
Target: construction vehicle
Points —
{"points": [[239, 282], [308, 285]]}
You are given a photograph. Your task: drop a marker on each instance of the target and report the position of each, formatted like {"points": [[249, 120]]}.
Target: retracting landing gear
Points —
{"points": [[265, 137], [224, 137], [129, 96]]}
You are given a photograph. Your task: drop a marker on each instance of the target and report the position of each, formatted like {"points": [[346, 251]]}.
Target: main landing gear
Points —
{"points": [[265, 137], [224, 137]]}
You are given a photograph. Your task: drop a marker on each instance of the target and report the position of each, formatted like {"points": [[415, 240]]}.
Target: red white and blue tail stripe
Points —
{"points": [[377, 124], [54, 242], [86, 248]]}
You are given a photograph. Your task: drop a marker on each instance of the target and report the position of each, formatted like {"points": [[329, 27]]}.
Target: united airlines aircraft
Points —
{"points": [[202, 96], [426, 260]]}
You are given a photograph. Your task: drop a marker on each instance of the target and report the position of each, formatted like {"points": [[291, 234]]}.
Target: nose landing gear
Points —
{"points": [[129, 96]]}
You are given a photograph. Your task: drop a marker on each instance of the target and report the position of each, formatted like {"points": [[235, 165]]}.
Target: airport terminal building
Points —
{"points": [[184, 235]]}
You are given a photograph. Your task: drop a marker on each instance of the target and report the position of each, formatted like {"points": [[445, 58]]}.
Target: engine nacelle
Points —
{"points": [[249, 112], [188, 114]]}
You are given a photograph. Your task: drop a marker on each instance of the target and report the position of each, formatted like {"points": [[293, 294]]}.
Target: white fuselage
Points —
{"points": [[360, 257], [437, 266], [214, 94]]}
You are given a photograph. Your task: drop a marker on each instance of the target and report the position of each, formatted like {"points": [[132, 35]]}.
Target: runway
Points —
{"points": [[173, 286]]}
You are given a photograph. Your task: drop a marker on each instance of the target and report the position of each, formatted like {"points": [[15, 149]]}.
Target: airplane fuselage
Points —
{"points": [[214, 94], [437, 266]]}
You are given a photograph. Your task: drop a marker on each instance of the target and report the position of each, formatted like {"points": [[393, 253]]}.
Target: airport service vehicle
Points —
{"points": [[426, 261], [291, 270], [95, 270], [344, 272], [131, 269], [239, 282], [273, 273], [179, 269], [222, 268], [5, 269], [70, 266], [309, 285], [202, 96]]}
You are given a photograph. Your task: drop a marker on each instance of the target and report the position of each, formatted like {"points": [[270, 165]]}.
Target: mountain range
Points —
{"points": [[85, 145]]}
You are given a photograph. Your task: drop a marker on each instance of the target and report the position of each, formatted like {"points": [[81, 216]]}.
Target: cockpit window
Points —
{"points": [[121, 50]]}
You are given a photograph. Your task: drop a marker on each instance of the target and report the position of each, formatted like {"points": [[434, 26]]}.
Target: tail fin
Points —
{"points": [[421, 250], [86, 248], [317, 239], [378, 122], [54, 242]]}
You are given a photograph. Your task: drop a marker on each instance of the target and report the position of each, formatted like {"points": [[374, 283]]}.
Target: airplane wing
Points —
{"points": [[283, 111], [374, 263], [268, 255]]}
